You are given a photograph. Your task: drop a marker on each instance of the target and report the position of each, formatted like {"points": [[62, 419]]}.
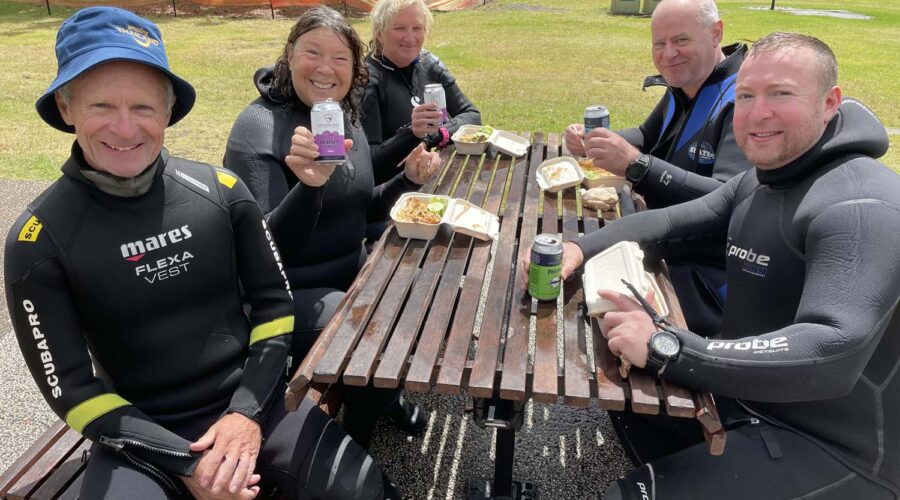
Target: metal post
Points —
{"points": [[48, 7], [174, 8], [272, 8], [773, 5], [503, 465]]}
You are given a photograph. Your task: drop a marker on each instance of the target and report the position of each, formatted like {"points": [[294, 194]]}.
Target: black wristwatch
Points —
{"points": [[636, 170], [663, 347]]}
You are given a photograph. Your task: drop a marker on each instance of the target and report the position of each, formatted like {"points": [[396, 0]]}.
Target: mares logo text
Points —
{"points": [[135, 250]]}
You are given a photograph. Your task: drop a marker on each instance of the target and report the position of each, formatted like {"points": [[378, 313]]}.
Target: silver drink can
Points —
{"points": [[327, 119], [434, 93], [595, 116]]}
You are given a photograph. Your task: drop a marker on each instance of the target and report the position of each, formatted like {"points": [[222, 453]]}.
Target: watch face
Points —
{"points": [[666, 344]]}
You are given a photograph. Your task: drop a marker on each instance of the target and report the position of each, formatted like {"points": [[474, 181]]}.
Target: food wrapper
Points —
{"points": [[599, 198]]}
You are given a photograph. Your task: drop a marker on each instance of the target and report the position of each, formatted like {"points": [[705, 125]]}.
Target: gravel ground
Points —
{"points": [[567, 452]]}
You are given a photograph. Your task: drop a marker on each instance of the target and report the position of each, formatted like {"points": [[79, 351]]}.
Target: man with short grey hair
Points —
{"points": [[685, 148], [806, 368]]}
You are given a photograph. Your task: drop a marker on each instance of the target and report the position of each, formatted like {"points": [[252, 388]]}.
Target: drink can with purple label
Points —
{"points": [[327, 119], [434, 93], [595, 116]]}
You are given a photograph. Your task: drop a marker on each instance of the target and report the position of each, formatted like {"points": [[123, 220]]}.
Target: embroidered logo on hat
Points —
{"points": [[139, 35]]}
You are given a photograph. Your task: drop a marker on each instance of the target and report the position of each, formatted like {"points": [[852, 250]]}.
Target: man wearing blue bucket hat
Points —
{"points": [[126, 281]]}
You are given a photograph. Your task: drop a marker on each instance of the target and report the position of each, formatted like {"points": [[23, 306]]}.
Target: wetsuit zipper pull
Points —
{"points": [[115, 444]]}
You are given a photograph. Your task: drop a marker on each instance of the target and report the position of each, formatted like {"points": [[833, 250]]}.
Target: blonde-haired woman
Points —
{"points": [[394, 118]]}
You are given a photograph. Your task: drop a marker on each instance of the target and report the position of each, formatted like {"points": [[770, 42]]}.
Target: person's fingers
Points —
{"points": [[623, 302], [305, 151], [205, 441], [348, 144], [571, 260], [242, 473], [207, 467], [524, 266], [296, 162], [615, 346], [227, 469], [303, 132], [250, 493]]}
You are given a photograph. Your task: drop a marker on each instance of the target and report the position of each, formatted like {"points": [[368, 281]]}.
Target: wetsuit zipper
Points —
{"points": [[263, 408], [162, 477]]}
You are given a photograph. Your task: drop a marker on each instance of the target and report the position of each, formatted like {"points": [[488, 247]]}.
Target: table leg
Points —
{"points": [[505, 416]]}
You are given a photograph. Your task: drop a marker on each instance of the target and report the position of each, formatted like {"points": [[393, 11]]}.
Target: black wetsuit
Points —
{"points": [[810, 342], [693, 152], [152, 287], [387, 108]]}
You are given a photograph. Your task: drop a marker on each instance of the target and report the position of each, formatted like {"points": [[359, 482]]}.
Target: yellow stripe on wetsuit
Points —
{"points": [[271, 329], [87, 411]]}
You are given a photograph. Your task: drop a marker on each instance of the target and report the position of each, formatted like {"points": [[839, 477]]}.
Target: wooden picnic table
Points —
{"points": [[450, 315]]}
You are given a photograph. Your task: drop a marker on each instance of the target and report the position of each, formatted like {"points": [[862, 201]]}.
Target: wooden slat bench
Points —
{"points": [[52, 468]]}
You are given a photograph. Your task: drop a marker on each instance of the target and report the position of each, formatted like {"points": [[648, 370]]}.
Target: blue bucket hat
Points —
{"points": [[96, 35]]}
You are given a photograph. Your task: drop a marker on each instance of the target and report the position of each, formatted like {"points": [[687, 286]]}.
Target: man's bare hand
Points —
{"points": [[609, 150], [575, 139], [200, 493], [302, 158], [230, 448], [421, 165], [572, 259], [628, 329]]}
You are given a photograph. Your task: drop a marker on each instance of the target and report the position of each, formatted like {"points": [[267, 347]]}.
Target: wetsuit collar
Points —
{"points": [[77, 168], [389, 65]]}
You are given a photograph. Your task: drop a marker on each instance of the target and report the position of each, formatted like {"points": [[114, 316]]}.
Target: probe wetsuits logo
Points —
{"points": [[751, 262]]}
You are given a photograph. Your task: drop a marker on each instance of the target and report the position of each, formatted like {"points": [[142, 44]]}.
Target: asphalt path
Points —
{"points": [[568, 452]]}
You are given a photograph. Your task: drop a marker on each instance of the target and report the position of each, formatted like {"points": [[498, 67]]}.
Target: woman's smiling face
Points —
{"points": [[321, 66]]}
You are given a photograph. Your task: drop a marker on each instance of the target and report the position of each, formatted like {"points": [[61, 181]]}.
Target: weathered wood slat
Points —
{"points": [[678, 400], [362, 362], [299, 383], [575, 362], [395, 355], [451, 374], [481, 381], [50, 458], [32, 455], [419, 376], [515, 354], [329, 367], [610, 386], [644, 396], [71, 468], [545, 360]]}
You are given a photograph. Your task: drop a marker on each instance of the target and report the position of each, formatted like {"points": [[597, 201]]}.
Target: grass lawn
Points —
{"points": [[527, 64]]}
